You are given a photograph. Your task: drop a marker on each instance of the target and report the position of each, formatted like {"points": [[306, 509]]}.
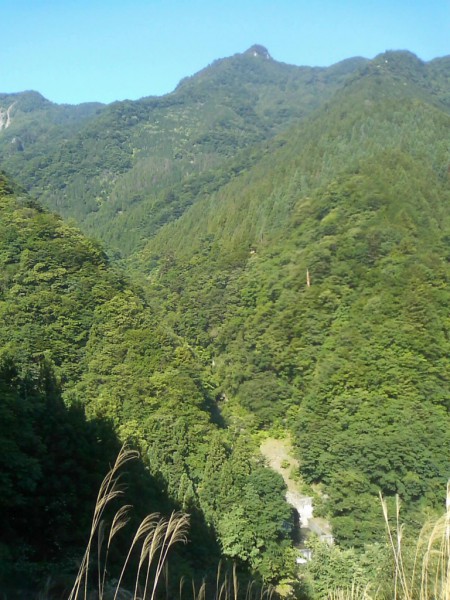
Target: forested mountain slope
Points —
{"points": [[318, 283], [289, 232], [385, 105], [115, 175], [74, 334], [31, 128]]}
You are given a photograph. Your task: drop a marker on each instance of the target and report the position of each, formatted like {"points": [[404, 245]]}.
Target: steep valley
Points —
{"points": [[273, 257]]}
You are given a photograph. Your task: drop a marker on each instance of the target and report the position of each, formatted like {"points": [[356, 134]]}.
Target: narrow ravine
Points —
{"points": [[5, 116], [279, 456]]}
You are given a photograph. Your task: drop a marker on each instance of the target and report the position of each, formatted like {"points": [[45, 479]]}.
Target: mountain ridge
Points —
{"points": [[289, 230], [304, 276], [229, 106]]}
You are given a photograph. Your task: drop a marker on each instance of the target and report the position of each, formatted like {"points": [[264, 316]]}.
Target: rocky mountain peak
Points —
{"points": [[258, 50]]}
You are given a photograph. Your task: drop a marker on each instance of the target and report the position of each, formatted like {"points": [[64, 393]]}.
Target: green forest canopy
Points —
{"points": [[221, 213]]}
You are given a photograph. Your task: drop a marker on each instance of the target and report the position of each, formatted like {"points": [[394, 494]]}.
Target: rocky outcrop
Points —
{"points": [[279, 456], [5, 116], [258, 50], [303, 505]]}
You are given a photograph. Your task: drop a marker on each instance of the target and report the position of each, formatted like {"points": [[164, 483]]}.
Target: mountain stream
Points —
{"points": [[279, 456]]}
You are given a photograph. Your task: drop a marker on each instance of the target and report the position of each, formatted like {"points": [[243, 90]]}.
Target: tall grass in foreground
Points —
{"points": [[429, 575], [355, 592], [420, 568], [155, 536]]}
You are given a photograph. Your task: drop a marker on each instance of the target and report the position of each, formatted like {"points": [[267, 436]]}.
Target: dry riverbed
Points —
{"points": [[279, 456]]}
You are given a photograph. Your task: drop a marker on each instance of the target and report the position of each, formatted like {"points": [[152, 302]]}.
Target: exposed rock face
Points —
{"points": [[278, 453], [303, 505], [258, 50], [17, 144], [5, 116]]}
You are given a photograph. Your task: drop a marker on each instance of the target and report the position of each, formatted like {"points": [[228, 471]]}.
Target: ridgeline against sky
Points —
{"points": [[100, 50], [274, 260]]}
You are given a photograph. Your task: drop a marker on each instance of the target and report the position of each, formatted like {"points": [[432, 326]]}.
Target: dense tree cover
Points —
{"points": [[356, 364], [114, 172], [73, 329], [52, 462], [333, 568], [297, 281], [35, 127]]}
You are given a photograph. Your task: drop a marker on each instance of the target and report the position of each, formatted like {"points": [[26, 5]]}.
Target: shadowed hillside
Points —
{"points": [[286, 233]]}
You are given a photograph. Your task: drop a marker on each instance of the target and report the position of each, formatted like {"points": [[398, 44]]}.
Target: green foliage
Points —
{"points": [[51, 462], [126, 169], [332, 569], [356, 362], [245, 503], [67, 313], [293, 279]]}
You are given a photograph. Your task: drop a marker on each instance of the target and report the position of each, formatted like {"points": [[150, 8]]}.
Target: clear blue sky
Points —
{"points": [[79, 50]]}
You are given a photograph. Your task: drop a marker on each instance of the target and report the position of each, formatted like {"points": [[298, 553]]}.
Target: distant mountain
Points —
{"points": [[111, 168], [316, 281], [126, 169], [391, 103], [32, 125], [289, 229]]}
